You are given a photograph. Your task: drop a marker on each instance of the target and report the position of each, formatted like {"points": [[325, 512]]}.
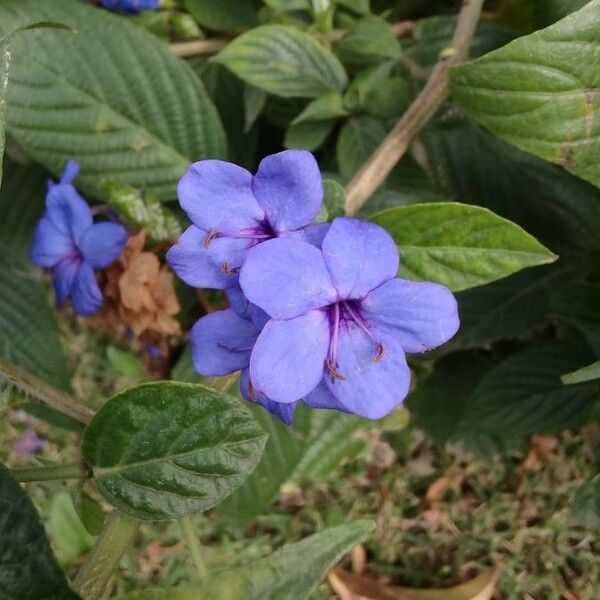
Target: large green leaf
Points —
{"points": [[368, 40], [291, 573], [459, 245], [284, 61], [28, 331], [163, 450], [473, 166], [541, 92], [284, 448], [549, 11], [28, 569], [107, 94], [224, 15]]}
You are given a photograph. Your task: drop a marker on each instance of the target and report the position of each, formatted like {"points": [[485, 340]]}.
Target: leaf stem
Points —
{"points": [[50, 472], [46, 393], [93, 578], [378, 166], [193, 544]]}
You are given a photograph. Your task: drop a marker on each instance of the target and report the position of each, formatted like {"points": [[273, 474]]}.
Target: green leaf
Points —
{"points": [[362, 7], [284, 448], [70, 537], [369, 40], [291, 573], [28, 331], [458, 245], [540, 92], [254, 102], [586, 505], [389, 100], [284, 61], [334, 198], [21, 205], [163, 450], [28, 568], [327, 106], [308, 135], [549, 11], [331, 441], [141, 210], [587, 373], [63, 105], [365, 82], [358, 139], [524, 395], [90, 512], [559, 209], [224, 15]]}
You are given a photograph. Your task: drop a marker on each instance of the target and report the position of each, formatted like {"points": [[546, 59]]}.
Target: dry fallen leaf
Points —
{"points": [[350, 586]]}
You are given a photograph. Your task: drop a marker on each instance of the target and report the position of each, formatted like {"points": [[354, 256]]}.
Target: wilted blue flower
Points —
{"points": [[232, 211], [341, 321], [222, 342], [28, 443], [131, 6], [67, 241]]}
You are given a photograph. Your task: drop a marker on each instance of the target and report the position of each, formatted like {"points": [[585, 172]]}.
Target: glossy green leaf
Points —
{"points": [[458, 245], [163, 450], [332, 439], [224, 15], [328, 106], [284, 61], [370, 39], [63, 105], [28, 569], [284, 448], [358, 139], [587, 373], [290, 573], [473, 166], [308, 135], [541, 92]]}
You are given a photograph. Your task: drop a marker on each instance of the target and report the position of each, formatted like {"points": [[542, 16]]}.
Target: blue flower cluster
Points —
{"points": [[67, 241], [131, 6], [317, 312]]}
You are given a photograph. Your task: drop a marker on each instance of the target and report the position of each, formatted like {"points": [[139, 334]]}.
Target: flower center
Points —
{"points": [[347, 312]]}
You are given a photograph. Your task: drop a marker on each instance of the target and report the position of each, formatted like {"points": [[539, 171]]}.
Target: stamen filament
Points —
{"points": [[363, 326], [333, 344]]}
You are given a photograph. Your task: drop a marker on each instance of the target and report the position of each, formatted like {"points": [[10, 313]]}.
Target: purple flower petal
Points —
{"points": [[64, 273], [102, 243], [285, 412], [71, 171], [311, 234], [371, 387], [321, 397], [288, 357], [286, 278], [222, 342], [289, 188], [68, 211], [217, 195], [245, 308], [49, 245], [28, 443], [131, 6], [421, 315], [85, 293], [212, 267], [359, 255]]}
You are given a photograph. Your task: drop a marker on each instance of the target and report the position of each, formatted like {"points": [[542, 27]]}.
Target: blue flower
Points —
{"points": [[67, 241], [341, 321], [233, 211], [131, 6], [222, 342]]}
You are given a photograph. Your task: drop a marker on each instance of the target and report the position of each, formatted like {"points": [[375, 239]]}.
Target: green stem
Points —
{"points": [[94, 576], [194, 546], [49, 472]]}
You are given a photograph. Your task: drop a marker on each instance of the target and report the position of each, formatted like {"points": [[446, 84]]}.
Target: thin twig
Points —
{"points": [[189, 48], [40, 390], [374, 171]]}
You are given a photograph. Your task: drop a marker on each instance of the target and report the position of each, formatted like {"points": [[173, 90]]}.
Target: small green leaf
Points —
{"points": [[459, 245], [28, 568], [588, 373], [254, 102], [290, 573], [308, 135], [224, 15], [369, 39], [284, 61], [389, 100], [541, 92], [327, 106], [90, 512], [365, 82], [358, 139], [163, 450], [334, 198]]}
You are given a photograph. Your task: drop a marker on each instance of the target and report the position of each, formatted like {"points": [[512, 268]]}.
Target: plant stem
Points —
{"points": [[189, 48], [374, 171], [46, 393], [94, 576], [193, 544], [50, 472]]}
